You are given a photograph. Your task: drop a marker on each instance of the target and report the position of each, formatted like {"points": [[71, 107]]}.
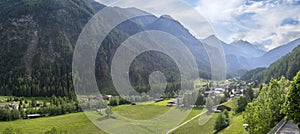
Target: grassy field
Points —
{"points": [[193, 113], [232, 103], [235, 127], [76, 123], [161, 103], [148, 117], [236, 123], [194, 127], [140, 112], [80, 123]]}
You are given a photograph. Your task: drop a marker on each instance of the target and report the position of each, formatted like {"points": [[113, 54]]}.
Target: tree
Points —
{"points": [[114, 101], [222, 121], [276, 98], [226, 114], [292, 104], [250, 117], [241, 104], [33, 103], [200, 100], [22, 112], [223, 99], [249, 94], [21, 102], [15, 114], [108, 111], [265, 111]]}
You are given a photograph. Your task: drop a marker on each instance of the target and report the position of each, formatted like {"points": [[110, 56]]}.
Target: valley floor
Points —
{"points": [[75, 123]]}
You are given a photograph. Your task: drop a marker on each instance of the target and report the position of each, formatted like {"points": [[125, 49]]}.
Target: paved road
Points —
{"points": [[289, 128], [173, 129]]}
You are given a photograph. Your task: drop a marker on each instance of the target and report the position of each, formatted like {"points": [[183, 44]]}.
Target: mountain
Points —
{"points": [[242, 55], [274, 54], [247, 49], [287, 66], [168, 24], [38, 40], [238, 55]]}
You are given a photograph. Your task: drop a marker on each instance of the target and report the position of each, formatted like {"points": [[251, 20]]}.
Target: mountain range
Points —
{"points": [[287, 66], [38, 39], [242, 55]]}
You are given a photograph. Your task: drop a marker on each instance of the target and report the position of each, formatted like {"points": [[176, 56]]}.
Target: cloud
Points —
{"points": [[269, 22]]}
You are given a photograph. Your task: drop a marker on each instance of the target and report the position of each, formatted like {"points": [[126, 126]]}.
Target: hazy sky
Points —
{"points": [[267, 22]]}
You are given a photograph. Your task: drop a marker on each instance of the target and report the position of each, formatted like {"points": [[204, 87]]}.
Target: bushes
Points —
{"points": [[9, 114], [222, 121]]}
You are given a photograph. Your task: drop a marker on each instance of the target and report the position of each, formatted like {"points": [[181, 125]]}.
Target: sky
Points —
{"points": [[268, 23]]}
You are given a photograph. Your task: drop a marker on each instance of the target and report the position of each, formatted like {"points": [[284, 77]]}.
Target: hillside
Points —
{"points": [[274, 54], [287, 66], [38, 38]]}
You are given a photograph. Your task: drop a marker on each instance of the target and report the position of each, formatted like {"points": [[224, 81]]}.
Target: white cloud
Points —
{"points": [[253, 21]]}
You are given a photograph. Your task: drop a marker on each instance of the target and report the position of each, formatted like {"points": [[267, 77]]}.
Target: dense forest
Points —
{"points": [[38, 38], [287, 66]]}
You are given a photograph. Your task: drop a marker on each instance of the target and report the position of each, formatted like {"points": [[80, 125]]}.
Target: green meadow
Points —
{"points": [[147, 117], [75, 123]]}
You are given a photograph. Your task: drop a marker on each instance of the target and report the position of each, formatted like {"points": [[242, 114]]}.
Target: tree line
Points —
{"points": [[277, 100], [51, 107]]}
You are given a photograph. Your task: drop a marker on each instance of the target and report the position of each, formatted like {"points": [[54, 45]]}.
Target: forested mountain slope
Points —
{"points": [[287, 66], [38, 38], [37, 41]]}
